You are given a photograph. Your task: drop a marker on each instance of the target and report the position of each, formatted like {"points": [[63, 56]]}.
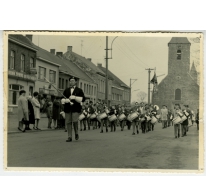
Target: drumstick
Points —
{"points": [[58, 90]]}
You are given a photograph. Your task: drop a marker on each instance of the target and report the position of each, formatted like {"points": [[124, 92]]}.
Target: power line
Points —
{"points": [[126, 54], [133, 53]]}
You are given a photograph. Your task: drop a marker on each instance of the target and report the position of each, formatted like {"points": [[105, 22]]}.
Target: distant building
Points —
{"points": [[120, 91], [21, 68], [181, 83], [91, 70]]}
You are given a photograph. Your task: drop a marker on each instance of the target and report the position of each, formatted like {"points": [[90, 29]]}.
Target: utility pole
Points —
{"points": [[149, 71], [106, 85], [130, 85]]}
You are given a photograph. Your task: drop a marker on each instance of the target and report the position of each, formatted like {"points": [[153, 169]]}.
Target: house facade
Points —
{"points": [[21, 68]]}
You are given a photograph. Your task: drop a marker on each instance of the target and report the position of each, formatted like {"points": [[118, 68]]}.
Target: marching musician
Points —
{"points": [[177, 113], [102, 109], [153, 112], [135, 121], [184, 124], [163, 116], [93, 110], [122, 122], [113, 111], [72, 107], [170, 117], [83, 121], [148, 119]]}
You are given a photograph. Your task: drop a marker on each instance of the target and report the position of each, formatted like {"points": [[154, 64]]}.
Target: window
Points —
{"points": [[95, 91], [14, 93], [52, 76], [31, 90], [12, 60], [177, 94], [42, 73], [66, 83], [85, 88], [60, 82], [178, 54], [32, 65], [22, 63]]}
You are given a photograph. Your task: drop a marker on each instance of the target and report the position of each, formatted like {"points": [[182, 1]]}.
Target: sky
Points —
{"points": [[131, 56]]}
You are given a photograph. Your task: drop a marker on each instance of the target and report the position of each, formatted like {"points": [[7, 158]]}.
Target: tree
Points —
{"points": [[141, 96]]}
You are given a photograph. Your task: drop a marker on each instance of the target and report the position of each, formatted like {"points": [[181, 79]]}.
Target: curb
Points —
{"points": [[32, 131]]}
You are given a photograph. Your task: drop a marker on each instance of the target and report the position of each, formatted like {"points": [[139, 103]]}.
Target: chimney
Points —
{"points": [[29, 37], [99, 65], [69, 48], [89, 59], [52, 51], [59, 54]]}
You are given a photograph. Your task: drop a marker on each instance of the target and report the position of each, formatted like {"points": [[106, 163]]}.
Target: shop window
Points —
{"points": [[14, 93]]}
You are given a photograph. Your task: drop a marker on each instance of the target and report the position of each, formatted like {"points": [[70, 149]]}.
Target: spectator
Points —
{"points": [[56, 113], [36, 106], [31, 113], [48, 109], [197, 119], [23, 112]]}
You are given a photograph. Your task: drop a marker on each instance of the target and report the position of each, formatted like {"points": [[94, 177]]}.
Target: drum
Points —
{"points": [[81, 117], [63, 114], [93, 116], [142, 119], [153, 120], [121, 117], [133, 116], [177, 120], [128, 118], [107, 111], [102, 116], [112, 118], [183, 118], [148, 118]]}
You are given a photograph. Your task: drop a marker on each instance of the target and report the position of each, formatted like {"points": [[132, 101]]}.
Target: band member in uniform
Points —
{"points": [[123, 111], [113, 111], [163, 116], [72, 107], [153, 111], [83, 121], [184, 124], [102, 109], [93, 110], [169, 118], [177, 126], [148, 119], [135, 121]]}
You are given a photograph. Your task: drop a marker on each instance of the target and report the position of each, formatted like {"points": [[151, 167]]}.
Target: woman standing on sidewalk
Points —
{"points": [[36, 106], [31, 113]]}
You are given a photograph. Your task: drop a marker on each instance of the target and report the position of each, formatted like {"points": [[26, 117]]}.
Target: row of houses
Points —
{"points": [[30, 66]]}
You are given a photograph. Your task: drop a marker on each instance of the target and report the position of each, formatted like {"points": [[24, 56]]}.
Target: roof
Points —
{"points": [[179, 40], [115, 79], [46, 55], [22, 39], [88, 63], [72, 68]]}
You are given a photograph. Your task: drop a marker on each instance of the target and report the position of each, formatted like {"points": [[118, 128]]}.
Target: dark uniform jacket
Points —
{"points": [[76, 107]]}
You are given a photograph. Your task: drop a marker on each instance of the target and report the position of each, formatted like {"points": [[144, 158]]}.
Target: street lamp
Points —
{"points": [[106, 87]]}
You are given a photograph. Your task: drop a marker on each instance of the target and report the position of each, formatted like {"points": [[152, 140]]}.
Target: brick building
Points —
{"points": [[181, 83], [21, 66]]}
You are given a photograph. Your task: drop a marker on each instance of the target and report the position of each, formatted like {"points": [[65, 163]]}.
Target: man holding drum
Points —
{"points": [[184, 125], [72, 107], [177, 113]]}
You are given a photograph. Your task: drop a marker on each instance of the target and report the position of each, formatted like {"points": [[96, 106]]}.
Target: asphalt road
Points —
{"points": [[154, 150]]}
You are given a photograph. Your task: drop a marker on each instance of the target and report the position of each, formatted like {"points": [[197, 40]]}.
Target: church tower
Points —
{"points": [[179, 56]]}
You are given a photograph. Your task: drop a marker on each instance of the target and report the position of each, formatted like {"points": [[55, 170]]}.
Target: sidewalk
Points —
{"points": [[13, 124]]}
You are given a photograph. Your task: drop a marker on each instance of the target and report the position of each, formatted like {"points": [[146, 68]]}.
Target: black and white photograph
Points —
{"points": [[103, 101]]}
